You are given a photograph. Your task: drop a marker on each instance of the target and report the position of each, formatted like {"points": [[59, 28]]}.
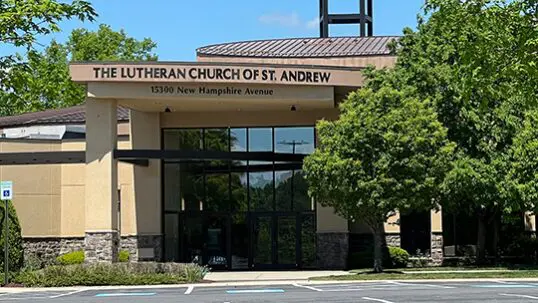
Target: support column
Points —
{"points": [[332, 239], [436, 248], [392, 231], [530, 223], [142, 223], [101, 222]]}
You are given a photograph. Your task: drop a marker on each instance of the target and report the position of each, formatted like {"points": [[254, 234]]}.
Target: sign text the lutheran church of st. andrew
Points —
{"points": [[202, 73]]}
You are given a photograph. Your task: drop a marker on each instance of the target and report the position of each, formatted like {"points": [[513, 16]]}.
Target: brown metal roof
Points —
{"points": [[70, 115], [303, 47]]}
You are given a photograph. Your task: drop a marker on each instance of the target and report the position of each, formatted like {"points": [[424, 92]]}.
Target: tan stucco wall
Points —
{"points": [[246, 119], [436, 221], [530, 221], [329, 222], [73, 193], [101, 214], [50, 199], [378, 61], [144, 217], [36, 189], [392, 225]]}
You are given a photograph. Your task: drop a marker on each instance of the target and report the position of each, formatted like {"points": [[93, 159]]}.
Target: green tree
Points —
{"points": [[44, 81], [522, 179], [476, 60], [387, 152], [15, 250], [23, 21]]}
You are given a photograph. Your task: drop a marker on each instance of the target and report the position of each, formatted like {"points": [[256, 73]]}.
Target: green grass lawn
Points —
{"points": [[461, 268], [396, 275], [437, 268]]}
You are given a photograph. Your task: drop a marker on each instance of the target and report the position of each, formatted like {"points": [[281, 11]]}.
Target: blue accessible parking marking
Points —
{"points": [[127, 294], [504, 286], [254, 291]]}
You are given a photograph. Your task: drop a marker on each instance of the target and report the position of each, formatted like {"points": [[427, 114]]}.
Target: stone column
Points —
{"points": [[141, 220], [101, 218], [530, 223], [436, 249], [332, 239], [392, 231]]}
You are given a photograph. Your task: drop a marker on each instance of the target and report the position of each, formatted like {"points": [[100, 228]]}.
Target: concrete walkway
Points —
{"points": [[270, 275], [254, 276]]}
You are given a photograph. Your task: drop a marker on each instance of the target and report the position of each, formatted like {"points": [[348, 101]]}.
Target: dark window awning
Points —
{"points": [[186, 155], [61, 157], [142, 156]]}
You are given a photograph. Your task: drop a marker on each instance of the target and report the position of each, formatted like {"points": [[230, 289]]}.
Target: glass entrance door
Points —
{"points": [[262, 241], [286, 241], [216, 244], [274, 241]]}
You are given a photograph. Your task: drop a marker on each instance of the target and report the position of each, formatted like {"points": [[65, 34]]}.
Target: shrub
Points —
{"points": [[124, 256], [112, 274], [398, 257], [32, 262], [16, 252], [194, 272], [75, 257]]}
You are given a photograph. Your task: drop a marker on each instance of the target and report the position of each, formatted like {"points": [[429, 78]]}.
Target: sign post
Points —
{"points": [[6, 194]]}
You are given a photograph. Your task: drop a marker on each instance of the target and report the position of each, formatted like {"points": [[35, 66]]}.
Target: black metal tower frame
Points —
{"points": [[364, 18]]}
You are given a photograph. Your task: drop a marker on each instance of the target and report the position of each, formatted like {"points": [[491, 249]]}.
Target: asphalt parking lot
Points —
{"points": [[384, 292]]}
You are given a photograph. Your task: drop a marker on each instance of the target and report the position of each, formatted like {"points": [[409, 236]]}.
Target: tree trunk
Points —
{"points": [[378, 231], [481, 240]]}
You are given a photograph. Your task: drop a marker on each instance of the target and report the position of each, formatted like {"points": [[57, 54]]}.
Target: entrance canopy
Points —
{"points": [[199, 86]]}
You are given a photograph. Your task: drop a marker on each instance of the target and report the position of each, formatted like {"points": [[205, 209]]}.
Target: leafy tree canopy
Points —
{"points": [[44, 81], [522, 178], [386, 152], [476, 60], [23, 21]]}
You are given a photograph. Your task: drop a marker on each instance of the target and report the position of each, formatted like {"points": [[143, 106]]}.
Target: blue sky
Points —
{"points": [[181, 26]]}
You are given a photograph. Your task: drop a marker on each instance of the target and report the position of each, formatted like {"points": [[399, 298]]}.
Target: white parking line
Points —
{"points": [[67, 294], [377, 300], [189, 290], [307, 287], [421, 284], [24, 298], [519, 296]]}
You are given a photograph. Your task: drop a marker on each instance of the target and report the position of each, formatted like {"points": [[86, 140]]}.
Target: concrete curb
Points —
{"points": [[250, 283]]}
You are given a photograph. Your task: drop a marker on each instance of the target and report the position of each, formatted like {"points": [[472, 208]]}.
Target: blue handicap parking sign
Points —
{"points": [[6, 190]]}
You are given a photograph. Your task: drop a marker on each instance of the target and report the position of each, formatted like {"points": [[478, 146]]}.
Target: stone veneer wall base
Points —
{"points": [[393, 239], [332, 251], [48, 249], [436, 252], [101, 247], [141, 243]]}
